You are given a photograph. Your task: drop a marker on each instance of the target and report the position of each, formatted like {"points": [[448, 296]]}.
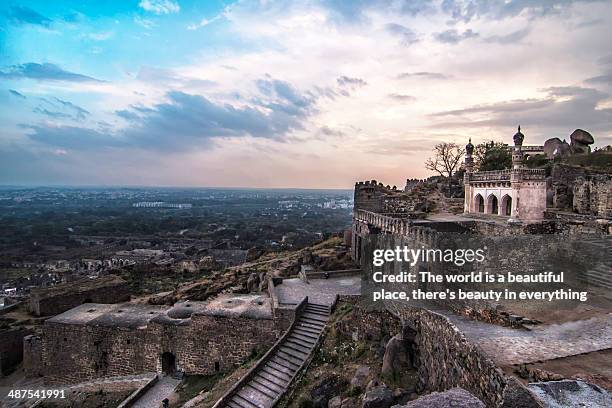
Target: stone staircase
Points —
{"points": [[273, 374], [600, 275]]}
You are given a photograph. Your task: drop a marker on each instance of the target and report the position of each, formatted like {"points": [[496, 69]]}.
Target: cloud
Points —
{"points": [[160, 6], [101, 36], [453, 36], [25, 15], [61, 109], [401, 97], [563, 107], [170, 78], [42, 72], [466, 10], [185, 121], [355, 11], [422, 75], [406, 35], [511, 38], [17, 94], [144, 22], [600, 79], [204, 22], [351, 82]]}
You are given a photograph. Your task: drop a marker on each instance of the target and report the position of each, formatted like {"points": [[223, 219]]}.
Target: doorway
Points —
{"points": [[168, 361]]}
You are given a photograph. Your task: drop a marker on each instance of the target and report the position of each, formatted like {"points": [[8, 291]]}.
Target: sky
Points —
{"points": [[308, 94]]}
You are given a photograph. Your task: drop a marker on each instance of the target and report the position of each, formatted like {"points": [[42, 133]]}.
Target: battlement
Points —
{"points": [[375, 184]]}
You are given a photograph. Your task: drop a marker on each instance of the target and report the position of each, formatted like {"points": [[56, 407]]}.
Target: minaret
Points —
{"points": [[469, 159], [517, 153]]}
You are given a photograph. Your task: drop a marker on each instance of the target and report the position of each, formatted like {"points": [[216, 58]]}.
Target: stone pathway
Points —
{"points": [[163, 388], [507, 346], [320, 291]]}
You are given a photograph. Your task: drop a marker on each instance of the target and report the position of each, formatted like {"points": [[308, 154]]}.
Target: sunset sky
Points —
{"points": [[315, 94]]}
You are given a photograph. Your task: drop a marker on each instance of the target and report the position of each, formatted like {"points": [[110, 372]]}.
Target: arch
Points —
{"points": [[168, 361], [479, 204], [492, 204], [506, 205]]}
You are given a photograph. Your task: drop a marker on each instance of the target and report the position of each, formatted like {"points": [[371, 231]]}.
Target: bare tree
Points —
{"points": [[446, 159]]}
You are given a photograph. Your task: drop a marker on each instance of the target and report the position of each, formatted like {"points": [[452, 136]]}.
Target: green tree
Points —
{"points": [[492, 156]]}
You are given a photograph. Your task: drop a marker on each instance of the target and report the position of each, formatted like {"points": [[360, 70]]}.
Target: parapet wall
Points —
{"points": [[72, 353], [58, 299], [11, 350]]}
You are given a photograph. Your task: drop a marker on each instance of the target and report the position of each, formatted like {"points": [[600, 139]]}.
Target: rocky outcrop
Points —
{"points": [[556, 147], [456, 397], [377, 395], [397, 358], [580, 141]]}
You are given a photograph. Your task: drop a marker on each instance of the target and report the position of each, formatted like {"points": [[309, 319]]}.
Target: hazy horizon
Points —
{"points": [[314, 94]]}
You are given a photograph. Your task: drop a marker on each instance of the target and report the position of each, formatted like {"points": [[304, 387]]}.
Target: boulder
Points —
{"points": [[326, 389], [360, 378], [396, 360], [253, 283], [377, 395], [556, 147], [335, 402], [580, 141], [455, 397]]}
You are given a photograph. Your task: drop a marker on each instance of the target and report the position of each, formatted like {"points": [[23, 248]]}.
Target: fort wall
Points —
{"points": [[57, 299]]}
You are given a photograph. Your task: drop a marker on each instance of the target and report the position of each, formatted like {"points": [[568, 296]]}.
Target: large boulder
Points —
{"points": [[253, 282], [455, 397], [556, 147], [360, 379], [377, 395], [396, 360], [580, 141], [326, 389]]}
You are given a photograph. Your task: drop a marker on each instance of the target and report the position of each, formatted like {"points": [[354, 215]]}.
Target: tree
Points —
{"points": [[492, 156], [446, 159]]}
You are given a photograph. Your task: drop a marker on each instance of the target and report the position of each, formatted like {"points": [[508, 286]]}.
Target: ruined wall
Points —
{"points": [[56, 300], [228, 341], [75, 353], [581, 190], [11, 348], [32, 356], [593, 195]]}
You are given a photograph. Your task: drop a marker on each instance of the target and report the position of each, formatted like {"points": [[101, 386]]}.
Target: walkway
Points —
{"points": [[319, 291], [507, 346], [272, 376], [153, 398]]}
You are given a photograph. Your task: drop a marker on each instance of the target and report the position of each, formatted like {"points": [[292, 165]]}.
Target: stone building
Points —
{"points": [[518, 194], [102, 340], [57, 299]]}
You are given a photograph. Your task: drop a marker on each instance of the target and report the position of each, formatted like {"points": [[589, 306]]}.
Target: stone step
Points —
{"points": [[291, 359], [253, 385], [264, 387], [306, 343], [293, 352], [313, 327], [281, 365], [306, 333], [310, 340], [321, 308], [245, 399], [306, 320], [317, 313], [298, 344], [597, 282], [255, 396], [278, 378], [272, 384], [315, 317], [233, 404]]}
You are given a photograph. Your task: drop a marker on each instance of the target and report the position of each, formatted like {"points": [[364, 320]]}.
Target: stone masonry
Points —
{"points": [[57, 299]]}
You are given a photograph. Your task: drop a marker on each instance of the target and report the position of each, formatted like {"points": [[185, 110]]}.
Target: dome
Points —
{"points": [[518, 137], [469, 148]]}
